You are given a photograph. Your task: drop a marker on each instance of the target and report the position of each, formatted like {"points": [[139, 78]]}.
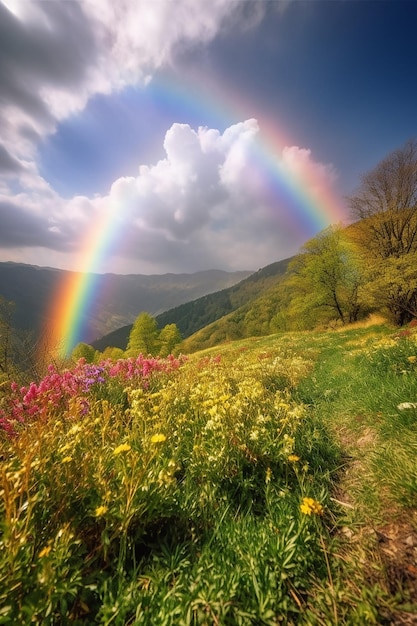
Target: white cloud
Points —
{"points": [[299, 162], [203, 205], [54, 56]]}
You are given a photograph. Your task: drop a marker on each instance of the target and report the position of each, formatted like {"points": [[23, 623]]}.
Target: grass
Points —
{"points": [[272, 480]]}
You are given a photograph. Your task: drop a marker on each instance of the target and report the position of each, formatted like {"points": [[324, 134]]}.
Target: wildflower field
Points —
{"points": [[247, 485]]}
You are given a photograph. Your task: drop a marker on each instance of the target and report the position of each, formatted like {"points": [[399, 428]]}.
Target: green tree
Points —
{"points": [[143, 338], [84, 351], [326, 279], [386, 205], [169, 337], [393, 282], [112, 353]]}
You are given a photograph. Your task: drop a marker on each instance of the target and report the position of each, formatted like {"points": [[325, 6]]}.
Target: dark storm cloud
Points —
{"points": [[53, 48], [21, 228], [8, 164]]}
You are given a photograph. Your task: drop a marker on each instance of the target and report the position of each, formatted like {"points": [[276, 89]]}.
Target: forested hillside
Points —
{"points": [[257, 318], [192, 316]]}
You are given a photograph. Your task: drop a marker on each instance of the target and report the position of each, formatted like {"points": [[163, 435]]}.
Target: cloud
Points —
{"points": [[46, 48], [54, 56], [19, 226], [202, 205], [8, 164], [298, 161]]}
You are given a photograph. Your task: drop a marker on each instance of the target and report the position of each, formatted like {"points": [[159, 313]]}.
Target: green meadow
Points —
{"points": [[266, 481]]}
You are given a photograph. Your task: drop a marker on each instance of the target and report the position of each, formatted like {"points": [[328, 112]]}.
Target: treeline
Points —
{"points": [[145, 338]]}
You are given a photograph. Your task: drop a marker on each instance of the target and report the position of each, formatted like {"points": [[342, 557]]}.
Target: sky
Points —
{"points": [[154, 136]]}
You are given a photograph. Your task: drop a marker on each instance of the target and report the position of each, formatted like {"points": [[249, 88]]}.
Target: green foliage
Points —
{"points": [[169, 337], [393, 282], [143, 338], [386, 204], [20, 355], [6, 339], [112, 353], [84, 351], [327, 276], [324, 285], [259, 317], [195, 315]]}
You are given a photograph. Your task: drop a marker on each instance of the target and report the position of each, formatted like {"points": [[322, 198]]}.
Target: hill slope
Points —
{"points": [[119, 299], [197, 314]]}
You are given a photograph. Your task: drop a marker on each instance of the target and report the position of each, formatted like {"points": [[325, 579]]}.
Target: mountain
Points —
{"points": [[192, 316], [119, 298]]}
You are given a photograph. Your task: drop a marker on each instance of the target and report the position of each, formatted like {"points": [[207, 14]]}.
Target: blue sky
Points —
{"points": [[100, 110]]}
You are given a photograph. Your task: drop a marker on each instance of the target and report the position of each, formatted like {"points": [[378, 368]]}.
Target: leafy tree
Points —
{"points": [[112, 353], [143, 338], [326, 278], [386, 205], [393, 282], [169, 337], [84, 351]]}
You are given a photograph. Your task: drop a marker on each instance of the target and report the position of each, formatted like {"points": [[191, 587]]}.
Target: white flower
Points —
{"points": [[407, 405]]}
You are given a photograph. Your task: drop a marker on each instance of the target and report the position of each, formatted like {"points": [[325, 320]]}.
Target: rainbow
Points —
{"points": [[75, 295], [312, 208]]}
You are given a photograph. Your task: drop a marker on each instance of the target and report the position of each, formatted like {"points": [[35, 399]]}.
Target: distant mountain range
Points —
{"points": [[202, 312], [119, 300]]}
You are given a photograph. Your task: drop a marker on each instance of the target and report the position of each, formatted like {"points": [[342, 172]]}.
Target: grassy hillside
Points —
{"points": [[270, 480], [196, 314]]}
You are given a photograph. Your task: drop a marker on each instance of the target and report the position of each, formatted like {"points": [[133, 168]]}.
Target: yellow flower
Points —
{"points": [[158, 438], [101, 510], [45, 551], [67, 459], [412, 359], [75, 429], [309, 506], [268, 475], [124, 447], [293, 458]]}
